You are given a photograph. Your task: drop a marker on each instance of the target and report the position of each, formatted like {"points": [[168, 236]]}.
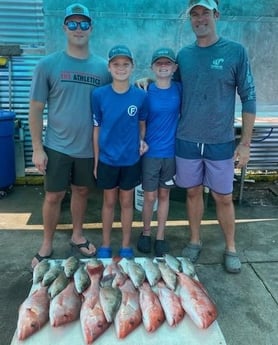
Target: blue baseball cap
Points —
{"points": [[167, 53], [77, 9], [119, 50]]}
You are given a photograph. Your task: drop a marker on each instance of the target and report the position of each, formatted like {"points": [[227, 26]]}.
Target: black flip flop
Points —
{"points": [[78, 248], [40, 257]]}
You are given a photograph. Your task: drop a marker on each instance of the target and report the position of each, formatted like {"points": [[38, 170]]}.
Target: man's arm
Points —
{"points": [[242, 152], [248, 121], [36, 129], [95, 148]]}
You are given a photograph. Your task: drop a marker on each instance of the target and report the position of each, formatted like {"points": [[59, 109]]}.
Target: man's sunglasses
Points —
{"points": [[72, 26]]}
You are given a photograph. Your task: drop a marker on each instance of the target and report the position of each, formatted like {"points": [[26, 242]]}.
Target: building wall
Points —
{"points": [[143, 25]]}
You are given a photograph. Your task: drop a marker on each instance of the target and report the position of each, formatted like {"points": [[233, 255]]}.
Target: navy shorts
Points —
{"points": [[124, 177]]}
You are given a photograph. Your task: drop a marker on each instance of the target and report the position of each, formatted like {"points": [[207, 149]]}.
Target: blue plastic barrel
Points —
{"points": [[7, 149]]}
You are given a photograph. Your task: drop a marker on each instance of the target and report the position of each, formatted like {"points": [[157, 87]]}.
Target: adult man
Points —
{"points": [[212, 70], [63, 81]]}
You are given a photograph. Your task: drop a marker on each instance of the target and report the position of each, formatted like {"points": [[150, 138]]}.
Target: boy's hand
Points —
{"points": [[143, 83], [143, 147]]}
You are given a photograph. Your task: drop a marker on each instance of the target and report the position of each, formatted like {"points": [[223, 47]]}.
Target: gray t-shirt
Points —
{"points": [[211, 76], [64, 83]]}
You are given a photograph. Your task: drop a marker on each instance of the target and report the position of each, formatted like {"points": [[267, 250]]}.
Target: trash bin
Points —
{"points": [[7, 150], [139, 199]]}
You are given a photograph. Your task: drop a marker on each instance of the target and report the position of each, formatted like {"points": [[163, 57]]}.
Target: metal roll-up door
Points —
{"points": [[21, 23]]}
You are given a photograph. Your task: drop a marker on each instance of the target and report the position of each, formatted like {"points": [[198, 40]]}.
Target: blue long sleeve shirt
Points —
{"points": [[211, 77]]}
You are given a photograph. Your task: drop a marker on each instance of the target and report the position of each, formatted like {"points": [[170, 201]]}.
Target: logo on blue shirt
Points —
{"points": [[217, 63], [132, 110]]}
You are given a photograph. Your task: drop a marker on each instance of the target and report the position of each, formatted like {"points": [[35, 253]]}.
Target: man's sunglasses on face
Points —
{"points": [[73, 25]]}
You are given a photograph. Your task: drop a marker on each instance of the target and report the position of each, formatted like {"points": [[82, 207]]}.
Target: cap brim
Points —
{"points": [[77, 14], [121, 55], [206, 6], [163, 57]]}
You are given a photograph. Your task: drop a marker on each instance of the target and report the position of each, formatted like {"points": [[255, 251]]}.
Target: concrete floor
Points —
{"points": [[247, 302]]}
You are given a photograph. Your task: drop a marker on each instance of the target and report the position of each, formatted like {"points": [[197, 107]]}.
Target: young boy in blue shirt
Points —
{"points": [[119, 112], [164, 101]]}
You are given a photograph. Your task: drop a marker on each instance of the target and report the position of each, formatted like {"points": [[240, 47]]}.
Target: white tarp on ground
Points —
{"points": [[186, 333]]}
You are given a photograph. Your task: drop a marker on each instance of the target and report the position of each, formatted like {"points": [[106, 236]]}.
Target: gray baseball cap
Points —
{"points": [[209, 4]]}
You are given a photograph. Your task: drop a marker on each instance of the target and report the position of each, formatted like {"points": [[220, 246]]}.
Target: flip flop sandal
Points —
{"points": [[232, 262], [192, 251], [126, 253], [104, 253], [78, 248], [40, 258]]}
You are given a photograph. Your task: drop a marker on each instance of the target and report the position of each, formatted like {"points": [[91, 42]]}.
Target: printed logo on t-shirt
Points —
{"points": [[217, 63], [78, 77], [132, 110]]}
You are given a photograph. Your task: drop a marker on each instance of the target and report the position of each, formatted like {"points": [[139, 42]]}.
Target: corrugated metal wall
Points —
{"points": [[141, 24], [22, 23]]}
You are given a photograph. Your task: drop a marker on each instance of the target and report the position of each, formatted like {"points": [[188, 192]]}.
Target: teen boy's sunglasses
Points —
{"points": [[72, 26]]}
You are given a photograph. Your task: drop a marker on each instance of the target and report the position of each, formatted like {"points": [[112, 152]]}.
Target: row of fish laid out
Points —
{"points": [[123, 292]]}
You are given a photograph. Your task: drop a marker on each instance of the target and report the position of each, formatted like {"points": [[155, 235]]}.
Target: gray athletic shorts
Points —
{"points": [[158, 173], [63, 170]]}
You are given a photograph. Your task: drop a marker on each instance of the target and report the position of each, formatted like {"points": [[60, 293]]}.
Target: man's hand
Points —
{"points": [[241, 155], [40, 160]]}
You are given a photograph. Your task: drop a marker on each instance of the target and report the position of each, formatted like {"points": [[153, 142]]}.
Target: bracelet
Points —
{"points": [[245, 144]]}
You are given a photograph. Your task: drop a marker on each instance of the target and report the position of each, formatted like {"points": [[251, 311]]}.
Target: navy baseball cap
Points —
{"points": [[167, 53], [119, 50]]}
